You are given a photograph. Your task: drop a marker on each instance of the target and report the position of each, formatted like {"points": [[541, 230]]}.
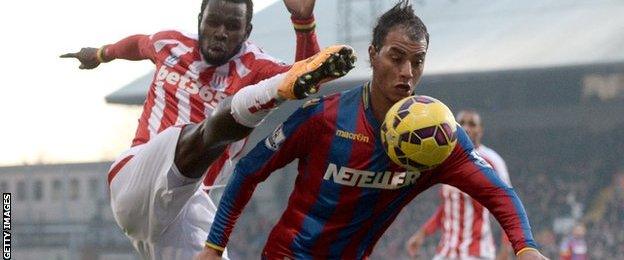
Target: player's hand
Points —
{"points": [[414, 244], [300, 9], [208, 254], [87, 57], [532, 255]]}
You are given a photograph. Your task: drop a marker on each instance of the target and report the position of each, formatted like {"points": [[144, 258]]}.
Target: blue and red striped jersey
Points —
{"points": [[347, 191]]}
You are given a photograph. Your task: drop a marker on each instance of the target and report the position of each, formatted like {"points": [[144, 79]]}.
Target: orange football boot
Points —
{"points": [[304, 77]]}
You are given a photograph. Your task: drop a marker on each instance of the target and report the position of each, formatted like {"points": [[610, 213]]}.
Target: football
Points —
{"points": [[419, 132]]}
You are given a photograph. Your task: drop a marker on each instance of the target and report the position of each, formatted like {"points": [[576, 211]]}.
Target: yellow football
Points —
{"points": [[419, 132]]}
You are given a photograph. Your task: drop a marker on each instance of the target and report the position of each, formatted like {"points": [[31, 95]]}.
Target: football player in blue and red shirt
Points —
{"points": [[348, 191]]}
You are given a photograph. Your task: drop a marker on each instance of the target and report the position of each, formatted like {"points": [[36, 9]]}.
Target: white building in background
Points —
{"points": [[63, 212]]}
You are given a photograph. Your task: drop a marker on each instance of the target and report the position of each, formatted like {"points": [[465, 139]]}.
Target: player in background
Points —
{"points": [[574, 247], [186, 125], [348, 191], [465, 224]]}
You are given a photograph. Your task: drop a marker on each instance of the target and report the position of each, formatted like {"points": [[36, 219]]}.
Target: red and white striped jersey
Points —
{"points": [[185, 89], [465, 224]]}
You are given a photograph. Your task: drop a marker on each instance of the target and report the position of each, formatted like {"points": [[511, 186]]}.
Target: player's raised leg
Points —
{"points": [[171, 164], [199, 145]]}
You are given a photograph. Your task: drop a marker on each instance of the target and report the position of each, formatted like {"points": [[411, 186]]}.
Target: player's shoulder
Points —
{"points": [[463, 140], [327, 105], [250, 49], [311, 104], [463, 147], [314, 108], [173, 34], [489, 153]]}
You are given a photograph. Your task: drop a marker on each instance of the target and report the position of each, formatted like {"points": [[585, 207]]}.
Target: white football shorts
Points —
{"points": [[165, 214]]}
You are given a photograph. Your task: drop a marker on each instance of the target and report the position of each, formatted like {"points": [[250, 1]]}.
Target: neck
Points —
{"points": [[379, 103]]}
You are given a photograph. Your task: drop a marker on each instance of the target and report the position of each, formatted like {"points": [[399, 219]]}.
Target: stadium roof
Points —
{"points": [[466, 35]]}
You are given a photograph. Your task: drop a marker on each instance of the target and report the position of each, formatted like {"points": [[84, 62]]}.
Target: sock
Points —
{"points": [[252, 104]]}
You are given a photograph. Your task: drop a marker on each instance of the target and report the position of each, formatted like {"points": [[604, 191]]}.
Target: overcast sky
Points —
{"points": [[54, 113]]}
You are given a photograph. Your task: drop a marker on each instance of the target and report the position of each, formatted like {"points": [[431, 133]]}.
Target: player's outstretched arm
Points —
{"points": [[135, 47], [289, 141], [88, 57], [300, 9], [307, 44], [302, 17], [466, 170]]}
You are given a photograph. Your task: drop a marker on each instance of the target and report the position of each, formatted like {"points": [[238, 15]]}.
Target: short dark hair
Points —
{"points": [[470, 110], [249, 4], [402, 14]]}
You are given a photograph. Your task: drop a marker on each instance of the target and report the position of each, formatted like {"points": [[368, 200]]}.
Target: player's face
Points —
{"points": [[398, 64], [471, 122], [578, 231], [222, 29]]}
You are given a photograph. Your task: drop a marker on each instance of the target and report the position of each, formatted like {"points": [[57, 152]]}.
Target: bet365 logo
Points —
{"points": [[189, 84]]}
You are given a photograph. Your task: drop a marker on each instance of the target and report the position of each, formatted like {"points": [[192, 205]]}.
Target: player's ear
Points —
{"points": [[372, 53], [249, 27]]}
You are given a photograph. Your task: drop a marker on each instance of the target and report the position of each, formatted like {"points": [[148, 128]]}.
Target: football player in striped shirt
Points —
{"points": [[465, 224], [187, 125], [347, 191]]}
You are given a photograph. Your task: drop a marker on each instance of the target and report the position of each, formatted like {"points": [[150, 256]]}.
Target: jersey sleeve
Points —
{"points": [[266, 67], [467, 171], [307, 46], [159, 46], [288, 142], [307, 43], [501, 168], [135, 47]]}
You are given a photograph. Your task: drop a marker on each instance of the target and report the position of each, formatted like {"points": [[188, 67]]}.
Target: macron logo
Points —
{"points": [[368, 179], [353, 136]]}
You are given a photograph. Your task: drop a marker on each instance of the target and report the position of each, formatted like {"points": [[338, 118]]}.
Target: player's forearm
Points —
{"points": [[482, 183], [129, 48], [307, 43], [235, 197], [513, 219], [433, 223]]}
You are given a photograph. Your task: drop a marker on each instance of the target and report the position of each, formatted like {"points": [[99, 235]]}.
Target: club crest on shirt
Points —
{"points": [[220, 77], [276, 139], [479, 160]]}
